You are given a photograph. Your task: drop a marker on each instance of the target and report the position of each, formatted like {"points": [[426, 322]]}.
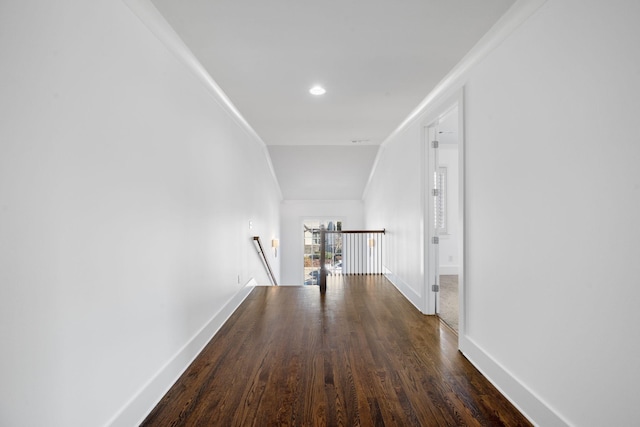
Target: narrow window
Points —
{"points": [[441, 200]]}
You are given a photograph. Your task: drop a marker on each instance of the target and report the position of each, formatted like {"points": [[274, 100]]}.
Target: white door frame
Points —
{"points": [[431, 274], [430, 255]]}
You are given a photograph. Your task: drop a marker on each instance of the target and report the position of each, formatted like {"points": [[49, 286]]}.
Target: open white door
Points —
{"points": [[444, 237], [433, 274]]}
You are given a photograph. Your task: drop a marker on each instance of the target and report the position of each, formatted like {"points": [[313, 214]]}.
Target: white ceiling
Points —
{"points": [[377, 59]]}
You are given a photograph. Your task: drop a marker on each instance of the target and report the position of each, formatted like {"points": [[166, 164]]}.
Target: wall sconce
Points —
{"points": [[274, 244]]}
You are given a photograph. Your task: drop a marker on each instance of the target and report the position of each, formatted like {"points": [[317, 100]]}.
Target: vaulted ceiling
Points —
{"points": [[377, 59]]}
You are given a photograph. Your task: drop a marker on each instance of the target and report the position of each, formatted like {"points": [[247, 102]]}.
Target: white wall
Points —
{"points": [[552, 202], [553, 252], [394, 201], [293, 214], [322, 172], [126, 189]]}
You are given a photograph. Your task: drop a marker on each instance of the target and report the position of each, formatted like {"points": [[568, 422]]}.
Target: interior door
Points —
{"points": [[433, 276], [445, 217]]}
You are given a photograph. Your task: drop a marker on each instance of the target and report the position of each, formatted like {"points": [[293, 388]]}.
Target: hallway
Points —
{"points": [[360, 355]]}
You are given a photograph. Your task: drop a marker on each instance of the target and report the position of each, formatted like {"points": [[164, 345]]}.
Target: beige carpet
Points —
{"points": [[448, 309]]}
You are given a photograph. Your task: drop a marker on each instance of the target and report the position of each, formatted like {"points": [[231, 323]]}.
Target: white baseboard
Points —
{"points": [[404, 288], [531, 406], [448, 270], [136, 410]]}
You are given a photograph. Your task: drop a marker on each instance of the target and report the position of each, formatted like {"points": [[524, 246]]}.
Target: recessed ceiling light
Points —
{"points": [[317, 90]]}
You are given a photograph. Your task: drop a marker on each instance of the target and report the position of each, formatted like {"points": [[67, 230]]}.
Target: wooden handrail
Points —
{"points": [[356, 231], [266, 261]]}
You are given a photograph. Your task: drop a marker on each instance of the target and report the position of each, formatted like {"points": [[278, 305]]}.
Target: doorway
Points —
{"points": [[444, 214]]}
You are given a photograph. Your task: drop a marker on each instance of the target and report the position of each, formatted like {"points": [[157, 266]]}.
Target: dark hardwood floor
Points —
{"points": [[361, 355]]}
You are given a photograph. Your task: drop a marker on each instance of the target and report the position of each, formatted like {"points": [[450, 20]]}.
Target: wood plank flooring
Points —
{"points": [[361, 355]]}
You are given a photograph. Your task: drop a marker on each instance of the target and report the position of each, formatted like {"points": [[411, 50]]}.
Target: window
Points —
{"points": [[440, 205]]}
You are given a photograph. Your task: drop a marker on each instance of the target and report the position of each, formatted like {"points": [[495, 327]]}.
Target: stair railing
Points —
{"points": [[272, 277], [362, 253]]}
